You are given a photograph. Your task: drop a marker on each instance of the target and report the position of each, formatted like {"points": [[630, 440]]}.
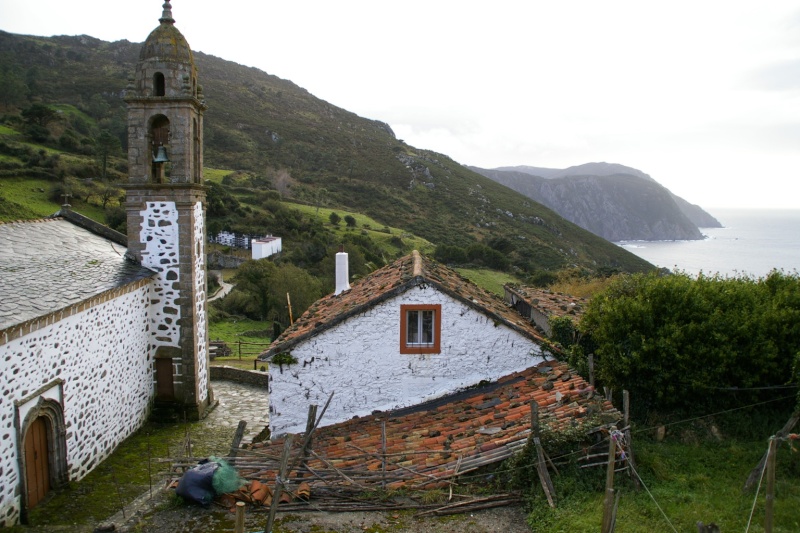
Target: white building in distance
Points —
{"points": [[266, 247]]}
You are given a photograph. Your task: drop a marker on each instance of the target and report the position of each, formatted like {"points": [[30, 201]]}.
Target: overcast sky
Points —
{"points": [[702, 95]]}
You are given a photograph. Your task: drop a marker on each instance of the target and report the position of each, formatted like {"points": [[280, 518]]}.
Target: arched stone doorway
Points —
{"points": [[43, 461], [37, 462]]}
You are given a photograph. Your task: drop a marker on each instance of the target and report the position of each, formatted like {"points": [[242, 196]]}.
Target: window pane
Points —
{"points": [[412, 331], [427, 327]]}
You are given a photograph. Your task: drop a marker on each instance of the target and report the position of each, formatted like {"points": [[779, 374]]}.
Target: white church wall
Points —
{"points": [[200, 301], [360, 360], [98, 358], [160, 234]]}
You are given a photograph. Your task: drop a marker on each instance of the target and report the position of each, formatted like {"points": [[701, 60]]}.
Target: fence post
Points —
{"points": [[608, 502], [239, 527], [626, 407], [769, 501]]}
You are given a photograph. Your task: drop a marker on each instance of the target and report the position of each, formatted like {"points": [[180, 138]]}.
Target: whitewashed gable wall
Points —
{"points": [[360, 360]]}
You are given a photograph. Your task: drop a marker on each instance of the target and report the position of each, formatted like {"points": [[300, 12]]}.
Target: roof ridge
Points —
{"points": [[417, 270], [48, 218]]}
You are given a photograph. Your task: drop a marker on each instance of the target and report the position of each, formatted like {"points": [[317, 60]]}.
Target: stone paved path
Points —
{"points": [[238, 401]]}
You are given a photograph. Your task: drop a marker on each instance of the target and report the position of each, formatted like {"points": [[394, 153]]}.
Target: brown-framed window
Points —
{"points": [[420, 328]]}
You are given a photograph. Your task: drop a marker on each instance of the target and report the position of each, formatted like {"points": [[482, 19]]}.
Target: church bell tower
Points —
{"points": [[166, 213]]}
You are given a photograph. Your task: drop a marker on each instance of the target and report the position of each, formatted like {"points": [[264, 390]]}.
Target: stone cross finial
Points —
{"points": [[166, 16], [66, 197]]}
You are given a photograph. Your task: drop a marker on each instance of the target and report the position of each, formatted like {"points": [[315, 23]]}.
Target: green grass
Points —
{"points": [[373, 228], [5, 130], [691, 482], [125, 475], [215, 174], [29, 196], [26, 198], [241, 329], [491, 280]]}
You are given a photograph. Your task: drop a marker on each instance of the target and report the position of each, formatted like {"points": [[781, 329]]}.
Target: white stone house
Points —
{"points": [[97, 329], [76, 369], [407, 333], [266, 247]]}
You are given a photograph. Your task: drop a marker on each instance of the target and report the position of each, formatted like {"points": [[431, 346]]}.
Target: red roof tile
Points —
{"points": [[469, 429], [407, 272]]}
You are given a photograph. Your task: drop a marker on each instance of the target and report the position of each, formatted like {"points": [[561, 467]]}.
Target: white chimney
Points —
{"points": [[342, 272]]}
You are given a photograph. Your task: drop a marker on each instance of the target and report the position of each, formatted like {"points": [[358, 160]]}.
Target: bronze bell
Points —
{"points": [[161, 155]]}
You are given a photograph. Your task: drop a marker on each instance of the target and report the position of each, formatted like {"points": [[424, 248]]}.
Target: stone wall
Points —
{"points": [[251, 377], [97, 366], [360, 360], [217, 260]]}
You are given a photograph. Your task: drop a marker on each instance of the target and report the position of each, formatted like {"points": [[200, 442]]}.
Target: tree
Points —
{"points": [[253, 279], [334, 218], [39, 115], [302, 288], [12, 88], [350, 221], [106, 145]]}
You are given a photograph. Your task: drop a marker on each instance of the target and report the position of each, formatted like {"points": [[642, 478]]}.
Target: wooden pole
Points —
{"points": [[310, 422], [769, 501], [541, 465], [608, 502], [626, 407], [383, 454], [289, 302], [237, 438], [755, 474], [239, 527], [276, 493], [591, 370]]}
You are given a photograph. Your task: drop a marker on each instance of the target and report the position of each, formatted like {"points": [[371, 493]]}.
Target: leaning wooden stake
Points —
{"points": [[310, 423], [237, 438], [769, 501], [755, 474], [608, 502], [276, 493], [591, 374], [541, 465], [383, 454]]}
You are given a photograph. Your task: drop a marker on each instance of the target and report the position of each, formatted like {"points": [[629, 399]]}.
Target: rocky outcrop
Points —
{"points": [[612, 201]]}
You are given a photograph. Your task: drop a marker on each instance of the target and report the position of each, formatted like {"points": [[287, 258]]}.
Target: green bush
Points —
{"points": [[690, 346]]}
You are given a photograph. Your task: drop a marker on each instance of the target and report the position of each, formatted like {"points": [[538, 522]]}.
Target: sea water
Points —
{"points": [[751, 242]]}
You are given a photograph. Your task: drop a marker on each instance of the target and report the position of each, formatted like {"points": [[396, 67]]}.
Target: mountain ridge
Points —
{"points": [[312, 151], [616, 202]]}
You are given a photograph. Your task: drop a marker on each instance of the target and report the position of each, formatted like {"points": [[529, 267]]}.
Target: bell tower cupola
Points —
{"points": [[166, 212]]}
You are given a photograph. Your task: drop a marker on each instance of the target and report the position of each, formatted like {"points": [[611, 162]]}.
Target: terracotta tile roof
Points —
{"points": [[429, 443], [407, 272], [550, 303]]}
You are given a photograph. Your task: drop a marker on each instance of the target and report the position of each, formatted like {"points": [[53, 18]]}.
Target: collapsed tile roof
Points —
{"points": [[550, 303], [409, 271], [431, 443], [48, 265]]}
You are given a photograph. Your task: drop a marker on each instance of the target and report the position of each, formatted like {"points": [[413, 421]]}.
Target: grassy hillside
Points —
{"points": [[298, 146]]}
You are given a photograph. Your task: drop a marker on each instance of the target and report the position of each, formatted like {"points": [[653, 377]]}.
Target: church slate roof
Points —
{"points": [[387, 282], [48, 265]]}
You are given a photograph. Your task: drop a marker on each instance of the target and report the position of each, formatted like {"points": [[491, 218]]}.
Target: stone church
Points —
{"points": [[98, 329]]}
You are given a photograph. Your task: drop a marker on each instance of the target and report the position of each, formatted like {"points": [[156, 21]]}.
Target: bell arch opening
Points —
{"points": [[159, 137], [159, 84]]}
